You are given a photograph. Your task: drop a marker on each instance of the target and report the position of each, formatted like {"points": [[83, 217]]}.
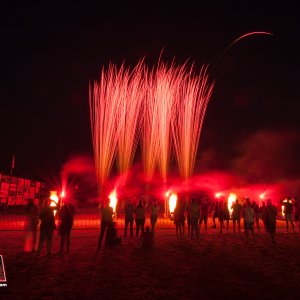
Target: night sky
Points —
{"points": [[50, 53]]}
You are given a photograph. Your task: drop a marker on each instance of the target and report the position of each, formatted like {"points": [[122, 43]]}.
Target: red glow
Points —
{"points": [[113, 200], [282, 207], [231, 198], [172, 202], [54, 198]]}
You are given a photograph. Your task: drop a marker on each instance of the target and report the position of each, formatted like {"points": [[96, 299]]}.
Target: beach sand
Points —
{"points": [[217, 266]]}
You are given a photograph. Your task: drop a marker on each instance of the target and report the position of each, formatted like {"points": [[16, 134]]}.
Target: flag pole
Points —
{"points": [[12, 165]]}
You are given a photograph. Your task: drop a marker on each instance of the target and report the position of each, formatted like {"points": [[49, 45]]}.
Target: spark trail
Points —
{"points": [[192, 100], [166, 83], [106, 97], [130, 117]]}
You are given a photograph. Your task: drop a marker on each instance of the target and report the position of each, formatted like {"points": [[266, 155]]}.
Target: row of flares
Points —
{"points": [[171, 197], [161, 108]]}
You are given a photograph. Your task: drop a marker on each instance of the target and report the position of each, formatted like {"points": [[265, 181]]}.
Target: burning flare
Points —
{"points": [[113, 200], [54, 202], [231, 198], [172, 202]]}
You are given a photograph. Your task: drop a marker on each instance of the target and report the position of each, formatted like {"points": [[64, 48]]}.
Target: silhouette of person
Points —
{"points": [[297, 211], [66, 216], [270, 219], [236, 215], [112, 238], [188, 218], [106, 219], [129, 216], [194, 215], [215, 211], [220, 213], [204, 207], [179, 218], [262, 213], [146, 240], [248, 215], [32, 221], [256, 214], [47, 225], [226, 215], [154, 214], [288, 213], [140, 217]]}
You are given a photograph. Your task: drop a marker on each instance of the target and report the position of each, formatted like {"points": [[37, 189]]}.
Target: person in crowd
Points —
{"points": [[256, 214], [288, 213], [188, 218], [154, 214], [106, 219], [146, 239], [112, 238], [179, 218], [204, 207], [248, 215], [214, 211], [31, 211], [226, 215], [270, 219], [140, 217], [236, 215], [194, 218], [47, 225], [297, 211], [219, 213], [129, 217], [66, 217], [262, 212]]}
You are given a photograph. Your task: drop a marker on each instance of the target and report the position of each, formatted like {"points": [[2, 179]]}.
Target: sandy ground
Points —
{"points": [[217, 266]]}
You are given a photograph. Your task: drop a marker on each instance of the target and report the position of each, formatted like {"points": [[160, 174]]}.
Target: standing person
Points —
{"points": [[288, 213], [140, 217], [66, 217], [106, 219], [236, 215], [248, 215], [129, 216], [219, 212], [297, 211], [262, 213], [194, 215], [215, 213], [256, 214], [270, 219], [204, 206], [154, 214], [32, 222], [188, 217], [226, 214], [47, 226], [179, 218]]}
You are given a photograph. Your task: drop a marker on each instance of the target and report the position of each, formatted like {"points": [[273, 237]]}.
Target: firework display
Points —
{"points": [[162, 107]]}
